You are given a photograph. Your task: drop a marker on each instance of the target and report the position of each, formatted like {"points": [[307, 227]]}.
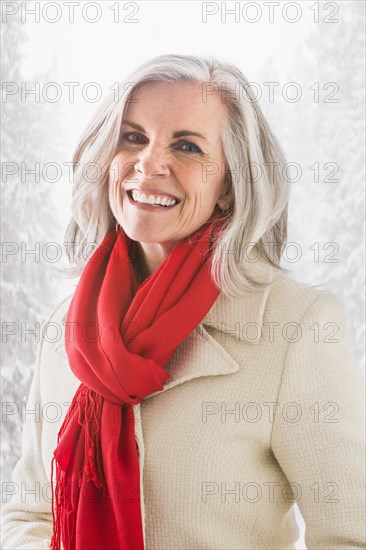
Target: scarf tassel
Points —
{"points": [[89, 405], [89, 416]]}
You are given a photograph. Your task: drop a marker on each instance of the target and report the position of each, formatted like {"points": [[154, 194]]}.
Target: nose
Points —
{"points": [[152, 163]]}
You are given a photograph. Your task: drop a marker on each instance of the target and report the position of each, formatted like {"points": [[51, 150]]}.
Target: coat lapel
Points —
{"points": [[200, 354]]}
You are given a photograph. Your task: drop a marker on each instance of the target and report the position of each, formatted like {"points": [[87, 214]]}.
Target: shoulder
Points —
{"points": [[290, 295], [59, 312], [283, 300], [57, 381], [307, 309], [53, 330]]}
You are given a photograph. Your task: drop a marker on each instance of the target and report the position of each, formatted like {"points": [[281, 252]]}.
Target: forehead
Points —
{"points": [[177, 105]]}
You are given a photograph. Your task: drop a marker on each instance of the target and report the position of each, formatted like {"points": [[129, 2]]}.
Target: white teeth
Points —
{"points": [[151, 199]]}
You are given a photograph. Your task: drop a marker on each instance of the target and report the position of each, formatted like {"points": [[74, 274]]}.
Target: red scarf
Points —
{"points": [[118, 338]]}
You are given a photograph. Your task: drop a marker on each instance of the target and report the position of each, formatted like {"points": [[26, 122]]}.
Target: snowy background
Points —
{"points": [[322, 133]]}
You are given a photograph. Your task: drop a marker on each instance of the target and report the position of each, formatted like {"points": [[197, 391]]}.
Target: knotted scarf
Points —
{"points": [[119, 337]]}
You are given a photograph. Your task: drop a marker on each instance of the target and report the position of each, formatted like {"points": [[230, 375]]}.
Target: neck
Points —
{"points": [[149, 257]]}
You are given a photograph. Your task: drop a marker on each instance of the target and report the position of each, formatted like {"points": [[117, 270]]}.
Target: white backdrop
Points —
{"points": [[306, 61]]}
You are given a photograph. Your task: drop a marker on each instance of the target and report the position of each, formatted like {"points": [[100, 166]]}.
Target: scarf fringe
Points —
{"points": [[87, 405], [57, 504], [89, 416]]}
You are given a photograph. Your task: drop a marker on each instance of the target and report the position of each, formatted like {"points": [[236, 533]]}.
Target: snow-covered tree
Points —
{"points": [[31, 133], [324, 134]]}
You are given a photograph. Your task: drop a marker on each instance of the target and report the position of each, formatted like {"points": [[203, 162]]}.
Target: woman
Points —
{"points": [[199, 403]]}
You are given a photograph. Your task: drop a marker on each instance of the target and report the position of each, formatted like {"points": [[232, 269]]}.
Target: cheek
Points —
{"points": [[205, 187], [114, 190], [113, 199], [120, 168], [203, 177], [118, 171]]}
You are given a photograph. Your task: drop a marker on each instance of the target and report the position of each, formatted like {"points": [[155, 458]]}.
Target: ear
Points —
{"points": [[225, 199]]}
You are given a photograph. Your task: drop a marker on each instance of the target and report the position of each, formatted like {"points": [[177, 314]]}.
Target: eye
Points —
{"points": [[196, 149], [133, 138], [128, 135]]}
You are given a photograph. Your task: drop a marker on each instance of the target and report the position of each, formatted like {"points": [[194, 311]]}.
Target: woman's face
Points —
{"points": [[187, 168]]}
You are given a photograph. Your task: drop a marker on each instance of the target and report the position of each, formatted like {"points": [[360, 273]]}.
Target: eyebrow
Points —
{"points": [[180, 133]]}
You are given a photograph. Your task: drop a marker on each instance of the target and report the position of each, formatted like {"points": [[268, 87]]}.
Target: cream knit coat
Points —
{"points": [[264, 408]]}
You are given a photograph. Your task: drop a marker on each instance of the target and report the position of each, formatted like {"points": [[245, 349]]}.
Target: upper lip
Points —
{"points": [[153, 191]]}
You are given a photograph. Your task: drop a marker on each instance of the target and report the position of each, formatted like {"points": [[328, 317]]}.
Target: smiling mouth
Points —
{"points": [[152, 200]]}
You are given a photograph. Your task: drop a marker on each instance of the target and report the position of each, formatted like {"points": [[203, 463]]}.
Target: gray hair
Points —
{"points": [[255, 213]]}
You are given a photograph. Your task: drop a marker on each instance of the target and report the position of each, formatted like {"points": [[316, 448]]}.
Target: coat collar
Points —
{"points": [[200, 354], [242, 317]]}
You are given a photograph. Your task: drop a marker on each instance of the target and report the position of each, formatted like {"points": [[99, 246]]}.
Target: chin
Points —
{"points": [[141, 236]]}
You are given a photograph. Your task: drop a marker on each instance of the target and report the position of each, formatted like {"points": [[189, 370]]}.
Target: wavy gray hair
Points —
{"points": [[257, 200]]}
